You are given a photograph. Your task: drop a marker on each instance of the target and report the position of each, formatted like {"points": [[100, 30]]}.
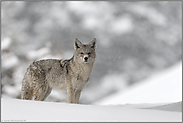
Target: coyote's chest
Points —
{"points": [[78, 78], [81, 78]]}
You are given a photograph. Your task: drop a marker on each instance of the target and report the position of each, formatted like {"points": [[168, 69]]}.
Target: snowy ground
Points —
{"points": [[15, 110], [158, 98], [163, 87]]}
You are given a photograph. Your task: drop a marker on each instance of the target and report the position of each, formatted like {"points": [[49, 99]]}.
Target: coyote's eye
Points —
{"points": [[81, 53], [89, 54]]}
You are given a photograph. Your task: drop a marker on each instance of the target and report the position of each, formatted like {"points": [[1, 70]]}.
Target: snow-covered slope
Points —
{"points": [[15, 110], [169, 107], [164, 87]]}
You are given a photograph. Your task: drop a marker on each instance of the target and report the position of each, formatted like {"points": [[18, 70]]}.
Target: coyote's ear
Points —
{"points": [[92, 43], [77, 44]]}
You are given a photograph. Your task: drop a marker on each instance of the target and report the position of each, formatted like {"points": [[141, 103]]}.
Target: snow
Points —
{"points": [[155, 17], [157, 98], [5, 44], [91, 22], [33, 111], [38, 53], [164, 87], [122, 25], [113, 82], [11, 90], [170, 107], [9, 60]]}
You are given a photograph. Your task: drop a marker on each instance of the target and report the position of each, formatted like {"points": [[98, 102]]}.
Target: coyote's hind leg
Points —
{"points": [[39, 92], [47, 93]]}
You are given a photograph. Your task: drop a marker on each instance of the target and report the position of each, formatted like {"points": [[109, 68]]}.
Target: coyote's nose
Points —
{"points": [[85, 58]]}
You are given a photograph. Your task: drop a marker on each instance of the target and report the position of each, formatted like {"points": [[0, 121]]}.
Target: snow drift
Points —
{"points": [[15, 110], [164, 87]]}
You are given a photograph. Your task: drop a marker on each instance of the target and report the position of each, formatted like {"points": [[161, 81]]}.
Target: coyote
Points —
{"points": [[69, 75]]}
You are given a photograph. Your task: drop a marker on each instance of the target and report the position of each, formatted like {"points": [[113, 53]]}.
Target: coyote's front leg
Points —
{"points": [[77, 96], [70, 94]]}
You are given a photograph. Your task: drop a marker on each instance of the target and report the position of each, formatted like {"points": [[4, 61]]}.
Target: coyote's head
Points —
{"points": [[85, 53]]}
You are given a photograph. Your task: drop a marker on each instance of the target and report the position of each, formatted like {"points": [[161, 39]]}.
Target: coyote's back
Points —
{"points": [[70, 75]]}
